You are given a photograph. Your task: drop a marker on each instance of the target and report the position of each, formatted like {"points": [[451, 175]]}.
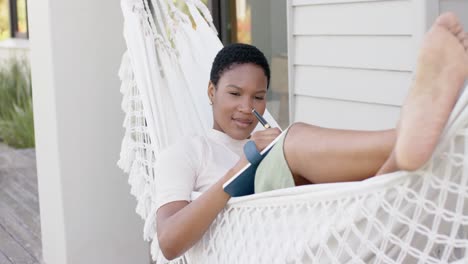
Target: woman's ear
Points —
{"points": [[211, 92]]}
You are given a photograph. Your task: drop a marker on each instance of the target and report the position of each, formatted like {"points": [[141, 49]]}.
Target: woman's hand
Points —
{"points": [[264, 137]]}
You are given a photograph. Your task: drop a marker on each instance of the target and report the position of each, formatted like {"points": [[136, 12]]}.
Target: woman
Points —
{"points": [[307, 154]]}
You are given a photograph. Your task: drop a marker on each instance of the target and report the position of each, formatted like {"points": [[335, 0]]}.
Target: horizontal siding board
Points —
{"points": [[345, 115], [353, 60], [365, 18], [381, 53], [383, 87]]}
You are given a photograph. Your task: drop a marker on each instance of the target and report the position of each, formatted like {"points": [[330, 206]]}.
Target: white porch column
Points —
{"points": [[87, 213]]}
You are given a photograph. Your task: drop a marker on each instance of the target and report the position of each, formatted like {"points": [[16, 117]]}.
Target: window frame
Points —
{"points": [[223, 19]]}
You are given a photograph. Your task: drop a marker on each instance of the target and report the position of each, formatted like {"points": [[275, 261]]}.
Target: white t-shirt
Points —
{"points": [[194, 164]]}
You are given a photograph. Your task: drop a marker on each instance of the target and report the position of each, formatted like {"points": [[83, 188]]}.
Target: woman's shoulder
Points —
{"points": [[186, 146]]}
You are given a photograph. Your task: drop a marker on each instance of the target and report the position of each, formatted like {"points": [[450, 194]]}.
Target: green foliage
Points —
{"points": [[4, 20], [18, 129], [16, 108]]}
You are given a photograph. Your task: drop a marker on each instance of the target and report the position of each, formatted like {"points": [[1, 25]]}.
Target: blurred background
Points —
{"points": [[261, 23], [20, 235], [16, 113]]}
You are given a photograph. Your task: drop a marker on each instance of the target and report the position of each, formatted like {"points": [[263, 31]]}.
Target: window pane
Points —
{"points": [[22, 20], [4, 20], [243, 22]]}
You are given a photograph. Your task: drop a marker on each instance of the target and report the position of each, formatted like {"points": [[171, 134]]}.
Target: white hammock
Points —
{"points": [[417, 217]]}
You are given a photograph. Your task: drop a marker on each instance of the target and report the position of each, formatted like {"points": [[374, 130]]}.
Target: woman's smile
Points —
{"points": [[243, 122]]}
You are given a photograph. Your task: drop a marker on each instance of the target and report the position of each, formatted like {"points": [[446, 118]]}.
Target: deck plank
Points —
{"points": [[14, 251], [19, 191], [4, 259], [21, 213], [20, 235], [19, 232], [27, 176]]}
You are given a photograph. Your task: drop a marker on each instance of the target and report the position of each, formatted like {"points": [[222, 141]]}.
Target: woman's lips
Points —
{"points": [[244, 123]]}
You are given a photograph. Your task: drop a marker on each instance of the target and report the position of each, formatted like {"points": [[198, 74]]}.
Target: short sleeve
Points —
{"points": [[175, 175]]}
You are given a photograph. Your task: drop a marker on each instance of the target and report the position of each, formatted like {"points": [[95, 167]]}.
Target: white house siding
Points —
{"points": [[351, 61]]}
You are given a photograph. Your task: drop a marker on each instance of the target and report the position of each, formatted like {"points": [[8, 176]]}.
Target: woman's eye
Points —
{"points": [[259, 97], [236, 94]]}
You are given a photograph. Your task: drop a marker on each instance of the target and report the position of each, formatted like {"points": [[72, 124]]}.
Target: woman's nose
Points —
{"points": [[246, 105]]}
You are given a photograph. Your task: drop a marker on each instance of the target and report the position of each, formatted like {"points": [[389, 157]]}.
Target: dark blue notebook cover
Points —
{"points": [[243, 183]]}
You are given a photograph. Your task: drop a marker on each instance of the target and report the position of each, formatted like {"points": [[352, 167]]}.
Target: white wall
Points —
{"points": [[87, 213]]}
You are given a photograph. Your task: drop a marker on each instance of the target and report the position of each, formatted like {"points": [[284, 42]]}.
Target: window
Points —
{"points": [[13, 19], [19, 18]]}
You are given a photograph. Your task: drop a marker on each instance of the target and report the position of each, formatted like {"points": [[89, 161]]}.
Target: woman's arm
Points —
{"points": [[181, 224]]}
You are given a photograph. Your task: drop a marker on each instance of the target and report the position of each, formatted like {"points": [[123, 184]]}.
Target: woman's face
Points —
{"points": [[239, 89]]}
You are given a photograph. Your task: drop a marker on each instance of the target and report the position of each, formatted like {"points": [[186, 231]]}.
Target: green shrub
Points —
{"points": [[16, 108]]}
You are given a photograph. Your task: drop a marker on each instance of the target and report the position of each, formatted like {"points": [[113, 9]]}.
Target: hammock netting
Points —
{"points": [[403, 217]]}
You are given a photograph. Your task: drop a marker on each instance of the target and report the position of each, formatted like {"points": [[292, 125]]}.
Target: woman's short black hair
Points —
{"points": [[236, 54]]}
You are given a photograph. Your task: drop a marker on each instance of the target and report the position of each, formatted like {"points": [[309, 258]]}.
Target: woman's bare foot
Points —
{"points": [[442, 68]]}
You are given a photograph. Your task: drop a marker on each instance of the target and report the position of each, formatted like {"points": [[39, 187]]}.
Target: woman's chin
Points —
{"points": [[240, 135]]}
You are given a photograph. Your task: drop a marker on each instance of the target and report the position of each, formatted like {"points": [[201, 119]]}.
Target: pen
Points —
{"points": [[260, 118]]}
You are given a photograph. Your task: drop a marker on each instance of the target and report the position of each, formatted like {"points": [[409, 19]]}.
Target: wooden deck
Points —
{"points": [[20, 230]]}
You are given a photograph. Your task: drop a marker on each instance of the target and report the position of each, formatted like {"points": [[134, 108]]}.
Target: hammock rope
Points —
{"points": [[403, 217]]}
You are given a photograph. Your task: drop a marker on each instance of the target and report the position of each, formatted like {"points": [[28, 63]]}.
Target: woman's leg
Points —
{"points": [[318, 155]]}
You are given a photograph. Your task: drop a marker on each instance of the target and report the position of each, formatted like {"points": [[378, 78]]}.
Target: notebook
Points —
{"points": [[243, 182]]}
